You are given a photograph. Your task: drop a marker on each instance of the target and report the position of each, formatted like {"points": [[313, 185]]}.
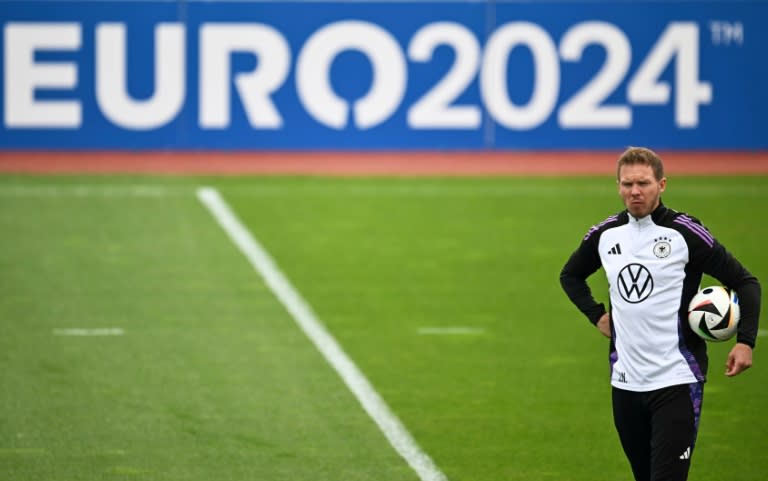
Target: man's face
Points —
{"points": [[639, 189]]}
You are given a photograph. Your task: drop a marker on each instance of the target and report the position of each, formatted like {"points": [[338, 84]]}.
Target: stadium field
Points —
{"points": [[140, 341]]}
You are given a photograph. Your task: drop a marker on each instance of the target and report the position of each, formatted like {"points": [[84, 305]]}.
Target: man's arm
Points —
{"points": [[739, 359], [724, 267], [604, 325], [573, 279]]}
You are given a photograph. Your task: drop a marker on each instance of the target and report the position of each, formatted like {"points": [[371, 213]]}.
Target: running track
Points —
{"points": [[394, 163]]}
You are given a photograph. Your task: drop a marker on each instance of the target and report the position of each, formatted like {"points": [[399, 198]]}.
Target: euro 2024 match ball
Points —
{"points": [[714, 313]]}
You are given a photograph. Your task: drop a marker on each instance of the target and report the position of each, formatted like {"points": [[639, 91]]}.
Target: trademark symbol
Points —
{"points": [[726, 33]]}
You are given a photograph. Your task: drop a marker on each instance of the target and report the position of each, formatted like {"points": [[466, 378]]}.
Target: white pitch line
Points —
{"points": [[100, 331], [392, 428]]}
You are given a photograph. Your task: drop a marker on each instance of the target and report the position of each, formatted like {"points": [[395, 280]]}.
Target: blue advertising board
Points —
{"points": [[472, 75]]}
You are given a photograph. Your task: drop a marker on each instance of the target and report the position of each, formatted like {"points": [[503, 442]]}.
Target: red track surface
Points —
{"points": [[378, 163]]}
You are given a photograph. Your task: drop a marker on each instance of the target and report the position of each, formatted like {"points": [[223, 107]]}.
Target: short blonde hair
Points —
{"points": [[643, 156]]}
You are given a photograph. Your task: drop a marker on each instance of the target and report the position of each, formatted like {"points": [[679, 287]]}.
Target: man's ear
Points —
{"points": [[663, 184]]}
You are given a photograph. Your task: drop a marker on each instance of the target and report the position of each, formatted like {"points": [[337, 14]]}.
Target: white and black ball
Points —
{"points": [[714, 313]]}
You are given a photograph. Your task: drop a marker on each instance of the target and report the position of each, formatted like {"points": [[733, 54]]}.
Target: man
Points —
{"points": [[654, 258]]}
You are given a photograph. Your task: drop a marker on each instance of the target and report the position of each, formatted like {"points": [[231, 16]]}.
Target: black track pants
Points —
{"points": [[658, 430]]}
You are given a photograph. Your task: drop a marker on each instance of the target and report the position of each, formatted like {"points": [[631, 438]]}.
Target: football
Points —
{"points": [[714, 313]]}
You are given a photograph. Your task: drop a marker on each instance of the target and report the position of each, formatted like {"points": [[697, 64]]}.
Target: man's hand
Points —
{"points": [[739, 359], [604, 324]]}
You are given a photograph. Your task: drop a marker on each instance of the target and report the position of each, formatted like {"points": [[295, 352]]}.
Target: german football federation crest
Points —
{"points": [[662, 247]]}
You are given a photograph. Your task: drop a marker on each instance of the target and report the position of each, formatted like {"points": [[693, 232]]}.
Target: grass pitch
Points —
{"points": [[137, 343]]}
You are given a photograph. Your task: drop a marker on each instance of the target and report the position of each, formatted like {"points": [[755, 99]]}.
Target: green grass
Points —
{"points": [[212, 379]]}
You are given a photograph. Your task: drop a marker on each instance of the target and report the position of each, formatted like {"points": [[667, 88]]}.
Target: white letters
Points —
{"points": [[680, 40], [23, 75], [546, 73], [218, 42], [41, 92], [313, 81], [112, 77], [584, 108], [434, 109]]}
